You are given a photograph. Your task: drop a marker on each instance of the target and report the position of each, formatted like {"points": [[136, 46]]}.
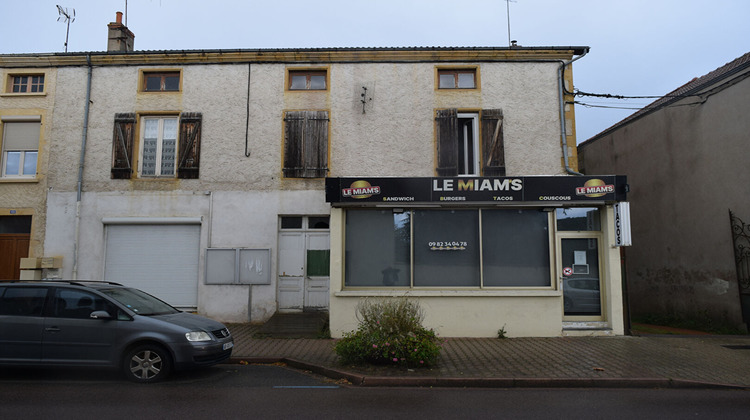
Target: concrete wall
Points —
{"points": [[687, 168]]}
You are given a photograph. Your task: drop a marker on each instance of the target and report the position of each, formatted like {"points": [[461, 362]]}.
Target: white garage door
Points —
{"points": [[159, 259]]}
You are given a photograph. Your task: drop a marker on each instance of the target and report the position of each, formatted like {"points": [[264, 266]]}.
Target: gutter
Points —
{"points": [[80, 168], [563, 133]]}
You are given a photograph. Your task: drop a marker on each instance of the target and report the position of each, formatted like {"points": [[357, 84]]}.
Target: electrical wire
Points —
{"points": [[578, 92]]}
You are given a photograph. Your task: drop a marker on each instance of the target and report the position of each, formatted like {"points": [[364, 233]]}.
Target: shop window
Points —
{"points": [[457, 78], [20, 144], [515, 248], [446, 248], [378, 244], [307, 80], [458, 143], [584, 219], [168, 81], [169, 146], [306, 144]]}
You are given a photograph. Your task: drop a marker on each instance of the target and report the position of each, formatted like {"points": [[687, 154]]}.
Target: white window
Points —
{"points": [[468, 144], [158, 146], [20, 148]]}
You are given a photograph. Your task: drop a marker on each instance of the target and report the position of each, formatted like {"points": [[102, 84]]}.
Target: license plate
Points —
{"points": [[227, 346]]}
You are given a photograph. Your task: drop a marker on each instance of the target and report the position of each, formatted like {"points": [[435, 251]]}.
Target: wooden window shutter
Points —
{"points": [[493, 148], [122, 146], [189, 146], [306, 144], [446, 123]]}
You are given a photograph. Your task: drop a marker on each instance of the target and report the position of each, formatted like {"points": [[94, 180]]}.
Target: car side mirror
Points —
{"points": [[100, 315]]}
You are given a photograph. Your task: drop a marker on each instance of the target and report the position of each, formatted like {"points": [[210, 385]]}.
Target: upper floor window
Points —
{"points": [[306, 144], [167, 81], [25, 83], [158, 146], [457, 78], [169, 146], [20, 144], [468, 143], [307, 80]]}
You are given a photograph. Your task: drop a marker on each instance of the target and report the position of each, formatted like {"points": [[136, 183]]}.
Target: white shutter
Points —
{"points": [[161, 260], [21, 135]]}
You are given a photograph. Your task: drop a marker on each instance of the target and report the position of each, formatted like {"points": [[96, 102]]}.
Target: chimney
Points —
{"points": [[120, 38]]}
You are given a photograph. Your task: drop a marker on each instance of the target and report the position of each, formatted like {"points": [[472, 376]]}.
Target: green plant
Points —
{"points": [[390, 332], [501, 333]]}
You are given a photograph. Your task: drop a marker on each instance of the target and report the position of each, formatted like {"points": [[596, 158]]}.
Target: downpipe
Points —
{"points": [[84, 136], [563, 131]]}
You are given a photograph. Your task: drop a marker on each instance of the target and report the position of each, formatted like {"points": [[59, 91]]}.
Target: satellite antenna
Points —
{"points": [[69, 17]]}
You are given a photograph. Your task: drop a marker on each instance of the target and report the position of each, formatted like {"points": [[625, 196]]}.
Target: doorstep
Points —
{"points": [[586, 329]]}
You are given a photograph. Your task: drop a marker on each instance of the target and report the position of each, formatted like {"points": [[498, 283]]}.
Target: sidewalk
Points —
{"points": [[629, 361]]}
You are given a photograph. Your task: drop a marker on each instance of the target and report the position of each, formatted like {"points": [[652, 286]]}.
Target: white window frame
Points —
{"points": [[23, 152], [465, 143], [159, 146]]}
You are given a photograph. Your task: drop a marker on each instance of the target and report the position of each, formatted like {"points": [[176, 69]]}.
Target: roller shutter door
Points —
{"points": [[159, 259]]}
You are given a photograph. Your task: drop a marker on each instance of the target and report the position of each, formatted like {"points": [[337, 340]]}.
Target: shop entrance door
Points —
{"points": [[304, 260], [581, 281]]}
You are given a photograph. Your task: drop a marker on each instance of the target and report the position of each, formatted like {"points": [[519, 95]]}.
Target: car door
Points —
{"points": [[21, 323], [71, 336]]}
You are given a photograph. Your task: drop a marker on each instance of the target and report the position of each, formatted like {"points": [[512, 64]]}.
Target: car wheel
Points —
{"points": [[147, 363]]}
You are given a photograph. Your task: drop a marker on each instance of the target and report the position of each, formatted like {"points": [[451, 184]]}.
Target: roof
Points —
{"points": [[299, 55], [697, 84]]}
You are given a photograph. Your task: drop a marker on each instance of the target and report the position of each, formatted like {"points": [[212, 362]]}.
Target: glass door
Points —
{"points": [[581, 284]]}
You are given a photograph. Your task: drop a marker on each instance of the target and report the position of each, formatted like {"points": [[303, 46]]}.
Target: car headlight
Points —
{"points": [[197, 336]]}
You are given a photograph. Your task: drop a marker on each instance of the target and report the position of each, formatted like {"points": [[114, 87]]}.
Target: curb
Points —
{"points": [[401, 381]]}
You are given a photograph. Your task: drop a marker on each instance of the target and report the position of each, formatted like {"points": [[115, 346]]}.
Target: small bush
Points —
{"points": [[390, 332]]}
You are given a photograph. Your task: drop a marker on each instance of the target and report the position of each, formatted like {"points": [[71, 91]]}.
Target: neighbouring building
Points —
{"points": [[686, 156], [239, 183]]}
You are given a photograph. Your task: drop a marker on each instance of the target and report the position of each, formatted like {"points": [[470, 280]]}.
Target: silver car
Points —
{"points": [[104, 324]]}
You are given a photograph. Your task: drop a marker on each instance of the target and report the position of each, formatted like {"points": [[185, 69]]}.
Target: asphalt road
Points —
{"points": [[277, 392]]}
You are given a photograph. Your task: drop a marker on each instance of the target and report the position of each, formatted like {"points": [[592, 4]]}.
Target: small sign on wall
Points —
{"points": [[622, 224]]}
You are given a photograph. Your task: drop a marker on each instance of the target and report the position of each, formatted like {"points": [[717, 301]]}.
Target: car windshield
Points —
{"points": [[139, 302]]}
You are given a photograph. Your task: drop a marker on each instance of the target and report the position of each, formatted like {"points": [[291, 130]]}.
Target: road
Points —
{"points": [[277, 392]]}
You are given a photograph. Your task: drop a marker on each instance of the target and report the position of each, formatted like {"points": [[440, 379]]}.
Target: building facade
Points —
{"points": [[217, 180], [27, 98], [685, 153]]}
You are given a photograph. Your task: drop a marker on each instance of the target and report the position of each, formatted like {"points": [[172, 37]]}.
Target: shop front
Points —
{"points": [[534, 256]]}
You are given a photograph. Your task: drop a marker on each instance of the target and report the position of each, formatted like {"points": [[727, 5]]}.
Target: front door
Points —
{"points": [[304, 256], [15, 236], [581, 283]]}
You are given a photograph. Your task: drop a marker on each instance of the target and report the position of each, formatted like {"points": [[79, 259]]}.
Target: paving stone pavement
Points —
{"points": [[558, 361]]}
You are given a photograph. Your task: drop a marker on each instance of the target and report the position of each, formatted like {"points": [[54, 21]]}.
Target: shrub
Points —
{"points": [[390, 332]]}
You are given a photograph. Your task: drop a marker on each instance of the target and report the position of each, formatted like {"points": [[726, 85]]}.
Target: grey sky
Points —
{"points": [[638, 47]]}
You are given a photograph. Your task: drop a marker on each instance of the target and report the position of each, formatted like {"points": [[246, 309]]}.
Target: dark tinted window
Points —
{"points": [[73, 303], [23, 301], [318, 222], [291, 223]]}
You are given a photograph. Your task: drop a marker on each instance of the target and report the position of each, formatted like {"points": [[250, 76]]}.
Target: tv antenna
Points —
{"points": [[507, 8], [69, 17]]}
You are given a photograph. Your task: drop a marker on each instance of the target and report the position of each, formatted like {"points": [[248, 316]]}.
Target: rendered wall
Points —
{"points": [[240, 197], [687, 168]]}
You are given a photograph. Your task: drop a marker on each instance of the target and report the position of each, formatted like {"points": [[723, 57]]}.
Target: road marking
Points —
{"points": [[307, 387]]}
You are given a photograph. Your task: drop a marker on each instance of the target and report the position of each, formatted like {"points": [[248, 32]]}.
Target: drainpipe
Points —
{"points": [[80, 168], [563, 133]]}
